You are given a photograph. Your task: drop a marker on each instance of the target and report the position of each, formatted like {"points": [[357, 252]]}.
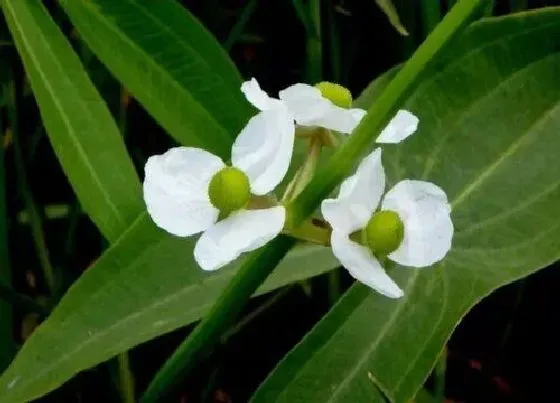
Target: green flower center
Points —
{"points": [[335, 93], [229, 190], [384, 232]]}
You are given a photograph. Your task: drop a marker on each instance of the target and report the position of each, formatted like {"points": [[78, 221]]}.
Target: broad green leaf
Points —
{"points": [[145, 285], [489, 122], [170, 63], [80, 127]]}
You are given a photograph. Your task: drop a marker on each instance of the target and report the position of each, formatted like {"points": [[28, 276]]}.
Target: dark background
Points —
{"points": [[506, 348]]}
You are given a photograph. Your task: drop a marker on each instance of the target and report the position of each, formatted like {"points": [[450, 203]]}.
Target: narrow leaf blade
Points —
{"points": [[80, 127], [170, 63]]}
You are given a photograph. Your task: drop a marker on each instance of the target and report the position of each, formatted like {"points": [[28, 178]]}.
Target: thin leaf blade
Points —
{"points": [[170, 63], [80, 127]]}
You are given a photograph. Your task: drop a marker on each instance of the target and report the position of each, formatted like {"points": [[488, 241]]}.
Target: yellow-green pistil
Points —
{"points": [[229, 190], [335, 93], [384, 233]]}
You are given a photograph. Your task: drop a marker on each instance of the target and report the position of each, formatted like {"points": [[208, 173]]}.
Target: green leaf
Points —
{"points": [[489, 118], [80, 127], [145, 285], [390, 11], [170, 63]]}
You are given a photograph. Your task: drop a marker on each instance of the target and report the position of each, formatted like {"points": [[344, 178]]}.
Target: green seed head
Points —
{"points": [[229, 190], [384, 232], [335, 93]]}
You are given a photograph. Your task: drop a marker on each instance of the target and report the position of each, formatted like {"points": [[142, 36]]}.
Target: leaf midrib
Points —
{"points": [[157, 66], [58, 105]]}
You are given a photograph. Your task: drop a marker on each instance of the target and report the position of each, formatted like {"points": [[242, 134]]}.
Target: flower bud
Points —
{"points": [[335, 93], [384, 233], [229, 190]]}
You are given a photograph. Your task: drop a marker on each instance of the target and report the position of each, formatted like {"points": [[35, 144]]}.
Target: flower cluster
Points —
{"points": [[190, 191]]}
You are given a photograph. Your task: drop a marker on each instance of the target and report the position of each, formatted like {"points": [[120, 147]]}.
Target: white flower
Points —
{"points": [[177, 190], [422, 212], [309, 107]]}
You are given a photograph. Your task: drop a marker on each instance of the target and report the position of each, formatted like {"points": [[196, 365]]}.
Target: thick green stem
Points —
{"points": [[259, 264], [251, 274]]}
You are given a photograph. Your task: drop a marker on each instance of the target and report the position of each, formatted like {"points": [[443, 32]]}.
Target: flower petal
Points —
{"points": [[258, 97], [176, 189], [358, 197], [399, 128], [339, 119], [305, 103], [263, 149], [363, 266], [426, 215], [243, 231]]}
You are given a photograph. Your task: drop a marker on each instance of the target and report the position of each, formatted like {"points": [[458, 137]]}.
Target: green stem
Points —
{"points": [[305, 173], [256, 313], [334, 288], [430, 12], [259, 264], [126, 379], [341, 163], [35, 222], [309, 232], [250, 275], [439, 373], [6, 339], [126, 376], [334, 44], [314, 44], [239, 26], [22, 301]]}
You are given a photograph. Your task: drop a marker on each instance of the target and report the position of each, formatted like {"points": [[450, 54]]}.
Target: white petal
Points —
{"points": [[263, 149], [305, 103], [363, 266], [258, 97], [339, 119], [176, 189], [399, 128], [358, 197], [426, 215], [243, 231]]}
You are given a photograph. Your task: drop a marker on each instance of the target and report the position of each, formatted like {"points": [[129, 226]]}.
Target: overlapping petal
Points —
{"points": [[358, 197], [426, 215], [263, 149], [176, 189], [362, 265], [243, 231]]}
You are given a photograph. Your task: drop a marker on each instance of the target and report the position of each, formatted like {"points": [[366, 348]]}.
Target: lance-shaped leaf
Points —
{"points": [[170, 63], [488, 134], [145, 285], [80, 127]]}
